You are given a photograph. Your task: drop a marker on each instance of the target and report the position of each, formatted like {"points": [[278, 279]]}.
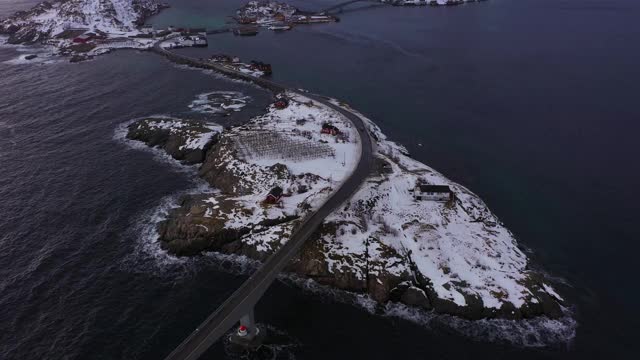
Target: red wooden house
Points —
{"points": [[274, 196], [83, 39], [260, 66], [329, 129], [281, 103]]}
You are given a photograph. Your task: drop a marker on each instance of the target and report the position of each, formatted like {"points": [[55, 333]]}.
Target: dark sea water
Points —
{"points": [[531, 104]]}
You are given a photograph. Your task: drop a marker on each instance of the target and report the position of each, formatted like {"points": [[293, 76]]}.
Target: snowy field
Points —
{"points": [[335, 156], [282, 148], [460, 246]]}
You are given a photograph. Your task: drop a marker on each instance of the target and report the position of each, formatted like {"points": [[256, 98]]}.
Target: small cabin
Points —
{"points": [[433, 192], [260, 66], [274, 196], [199, 41], [83, 39], [281, 103], [329, 129]]}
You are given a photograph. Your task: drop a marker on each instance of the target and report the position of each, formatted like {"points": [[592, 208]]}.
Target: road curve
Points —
{"points": [[249, 293]]}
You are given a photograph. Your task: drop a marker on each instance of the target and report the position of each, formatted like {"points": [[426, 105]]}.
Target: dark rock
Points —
{"points": [[416, 297], [396, 293], [79, 58], [172, 140], [229, 179], [190, 230], [24, 36]]}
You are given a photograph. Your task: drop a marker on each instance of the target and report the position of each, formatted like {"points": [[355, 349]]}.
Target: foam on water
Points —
{"points": [[537, 332], [148, 255], [45, 54], [219, 102]]}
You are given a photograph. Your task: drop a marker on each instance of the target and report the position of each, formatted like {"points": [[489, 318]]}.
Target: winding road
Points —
{"points": [[243, 300]]}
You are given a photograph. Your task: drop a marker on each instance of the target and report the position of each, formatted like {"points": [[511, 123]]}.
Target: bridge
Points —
{"points": [[239, 306], [344, 4]]}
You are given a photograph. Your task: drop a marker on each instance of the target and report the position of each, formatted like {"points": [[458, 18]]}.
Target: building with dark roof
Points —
{"points": [[433, 192]]}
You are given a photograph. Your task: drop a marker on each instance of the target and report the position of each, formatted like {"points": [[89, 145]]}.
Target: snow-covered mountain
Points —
{"points": [[49, 19]]}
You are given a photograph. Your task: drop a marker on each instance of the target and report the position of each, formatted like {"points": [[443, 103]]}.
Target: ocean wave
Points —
{"points": [[538, 332], [148, 255], [45, 55]]}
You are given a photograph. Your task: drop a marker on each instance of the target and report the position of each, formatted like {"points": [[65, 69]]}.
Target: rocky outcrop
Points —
{"points": [[224, 170], [201, 224], [184, 140], [23, 31]]}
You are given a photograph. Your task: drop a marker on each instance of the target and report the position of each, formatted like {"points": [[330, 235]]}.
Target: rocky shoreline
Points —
{"points": [[451, 257]]}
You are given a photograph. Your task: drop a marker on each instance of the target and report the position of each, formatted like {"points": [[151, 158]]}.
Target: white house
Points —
{"points": [[432, 192]]}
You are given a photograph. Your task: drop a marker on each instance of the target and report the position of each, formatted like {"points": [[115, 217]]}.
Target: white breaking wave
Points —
{"points": [[537, 332], [219, 102]]}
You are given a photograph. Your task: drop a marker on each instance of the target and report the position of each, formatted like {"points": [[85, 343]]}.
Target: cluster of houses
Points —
{"points": [[256, 68], [428, 2], [187, 38], [224, 58], [276, 16]]}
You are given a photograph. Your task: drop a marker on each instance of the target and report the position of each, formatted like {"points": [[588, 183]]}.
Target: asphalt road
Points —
{"points": [[245, 298]]}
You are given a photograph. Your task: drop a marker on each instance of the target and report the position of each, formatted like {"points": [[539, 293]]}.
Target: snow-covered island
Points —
{"points": [[278, 15], [428, 2], [83, 28], [408, 235]]}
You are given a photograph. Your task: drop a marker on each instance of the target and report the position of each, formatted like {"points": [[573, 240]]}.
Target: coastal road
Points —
{"points": [[243, 300]]}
